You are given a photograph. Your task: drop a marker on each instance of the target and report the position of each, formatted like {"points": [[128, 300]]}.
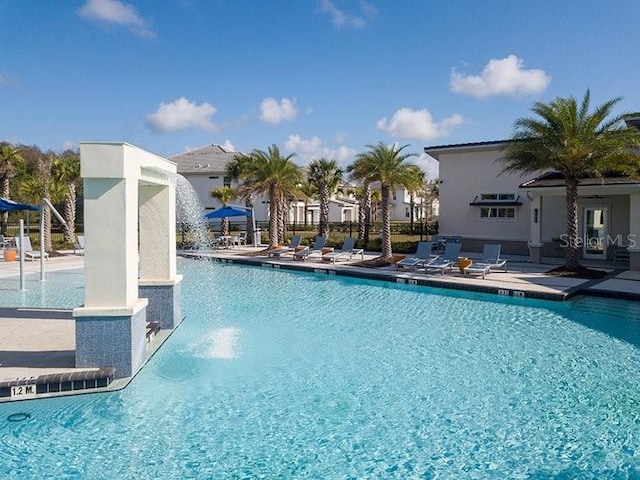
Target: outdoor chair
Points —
{"points": [[280, 250], [490, 259], [348, 251], [79, 246], [423, 256], [448, 259], [317, 248], [29, 252]]}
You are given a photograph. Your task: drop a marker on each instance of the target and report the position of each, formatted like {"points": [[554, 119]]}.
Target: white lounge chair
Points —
{"points": [[490, 259], [283, 250], [423, 256], [29, 252], [448, 259], [318, 246], [79, 248], [348, 251]]}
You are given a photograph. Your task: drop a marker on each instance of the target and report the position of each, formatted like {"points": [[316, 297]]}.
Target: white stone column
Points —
{"points": [[158, 281]]}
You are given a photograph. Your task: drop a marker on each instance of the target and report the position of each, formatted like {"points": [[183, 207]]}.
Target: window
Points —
{"points": [[226, 181], [498, 212], [407, 212]]}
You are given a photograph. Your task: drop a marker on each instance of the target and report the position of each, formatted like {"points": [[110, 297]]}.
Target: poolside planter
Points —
{"points": [[10, 254]]}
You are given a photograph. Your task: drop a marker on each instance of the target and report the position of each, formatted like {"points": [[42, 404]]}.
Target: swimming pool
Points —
{"points": [[284, 375]]}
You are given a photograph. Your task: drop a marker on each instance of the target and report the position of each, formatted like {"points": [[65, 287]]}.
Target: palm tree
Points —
{"points": [[576, 142], [224, 195], [234, 171], [273, 174], [9, 157], [387, 165], [359, 173], [415, 186], [326, 176], [66, 172]]}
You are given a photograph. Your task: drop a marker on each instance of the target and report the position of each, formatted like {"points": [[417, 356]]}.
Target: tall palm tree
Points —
{"points": [[273, 174], [359, 173], [9, 157], [234, 171], [571, 139], [224, 195], [386, 164], [415, 186], [326, 176], [66, 171]]}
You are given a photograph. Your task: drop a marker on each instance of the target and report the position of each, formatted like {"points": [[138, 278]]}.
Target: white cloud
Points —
{"points": [[182, 115], [69, 145], [312, 148], [3, 79], [417, 124], [340, 19], [116, 12], [505, 76], [273, 112]]}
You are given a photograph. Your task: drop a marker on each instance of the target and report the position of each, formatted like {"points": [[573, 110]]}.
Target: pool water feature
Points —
{"points": [[276, 374]]}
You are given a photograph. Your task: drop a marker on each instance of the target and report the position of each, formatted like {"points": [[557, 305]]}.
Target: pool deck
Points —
{"points": [[37, 342]]}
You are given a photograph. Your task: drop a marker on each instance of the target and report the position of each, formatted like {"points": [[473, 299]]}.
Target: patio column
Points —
{"points": [[158, 280], [535, 221], [634, 231]]}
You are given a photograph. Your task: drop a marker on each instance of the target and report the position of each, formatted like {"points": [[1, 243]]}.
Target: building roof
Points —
{"points": [[437, 150], [209, 159], [556, 179]]}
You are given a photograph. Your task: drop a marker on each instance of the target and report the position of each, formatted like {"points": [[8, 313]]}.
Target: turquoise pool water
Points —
{"points": [[282, 375]]}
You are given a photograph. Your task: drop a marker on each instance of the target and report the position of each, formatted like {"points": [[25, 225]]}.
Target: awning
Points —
{"points": [[7, 205], [496, 203]]}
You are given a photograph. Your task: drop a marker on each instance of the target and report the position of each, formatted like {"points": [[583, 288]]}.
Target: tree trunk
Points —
{"points": [[412, 207], [250, 232], [323, 229], [70, 214], [46, 178], [386, 222], [274, 220], [283, 216], [5, 194], [367, 212], [572, 262], [225, 226]]}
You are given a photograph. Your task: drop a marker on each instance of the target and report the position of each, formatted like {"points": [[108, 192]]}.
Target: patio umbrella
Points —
{"points": [[230, 211], [7, 205], [235, 211]]}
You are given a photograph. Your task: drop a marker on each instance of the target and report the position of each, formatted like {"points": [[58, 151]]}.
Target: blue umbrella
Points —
{"points": [[230, 211], [11, 206]]}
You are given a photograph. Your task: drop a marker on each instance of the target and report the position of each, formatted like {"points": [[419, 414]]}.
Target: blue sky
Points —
{"points": [[316, 77]]}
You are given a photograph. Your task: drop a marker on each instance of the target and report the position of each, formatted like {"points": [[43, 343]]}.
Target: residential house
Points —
{"points": [[527, 215], [205, 167]]}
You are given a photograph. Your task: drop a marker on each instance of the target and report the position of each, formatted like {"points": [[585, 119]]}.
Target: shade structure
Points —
{"points": [[230, 211], [7, 205]]}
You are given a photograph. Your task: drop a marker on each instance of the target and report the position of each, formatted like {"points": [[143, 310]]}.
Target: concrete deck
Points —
{"points": [[40, 341]]}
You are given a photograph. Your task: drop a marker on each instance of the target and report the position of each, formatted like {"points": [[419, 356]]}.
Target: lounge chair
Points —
{"points": [[423, 256], [490, 259], [348, 251], [79, 247], [29, 252], [318, 246], [280, 250], [448, 259]]}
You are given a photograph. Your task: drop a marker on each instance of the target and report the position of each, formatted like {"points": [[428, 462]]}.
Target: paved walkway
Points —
{"points": [[38, 341]]}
